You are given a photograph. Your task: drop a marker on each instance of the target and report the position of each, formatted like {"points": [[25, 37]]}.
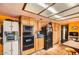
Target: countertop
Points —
{"points": [[72, 43]]}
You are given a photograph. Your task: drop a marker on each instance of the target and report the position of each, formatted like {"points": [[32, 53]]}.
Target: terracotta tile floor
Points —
{"points": [[56, 50]]}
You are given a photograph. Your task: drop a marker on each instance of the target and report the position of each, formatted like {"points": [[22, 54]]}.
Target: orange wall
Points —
{"points": [[71, 25], [3, 17]]}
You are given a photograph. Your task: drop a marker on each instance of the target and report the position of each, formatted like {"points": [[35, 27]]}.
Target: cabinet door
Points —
{"points": [[1, 49], [15, 26], [41, 43], [36, 44], [7, 25]]}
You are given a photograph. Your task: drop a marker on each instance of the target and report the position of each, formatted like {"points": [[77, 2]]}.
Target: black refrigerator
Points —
{"points": [[47, 37]]}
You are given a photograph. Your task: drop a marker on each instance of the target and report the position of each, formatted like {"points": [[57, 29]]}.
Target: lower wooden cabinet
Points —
{"points": [[1, 49], [39, 44], [28, 52], [36, 44]]}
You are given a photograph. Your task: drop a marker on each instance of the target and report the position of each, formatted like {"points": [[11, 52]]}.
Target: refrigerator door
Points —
{"points": [[7, 26]]}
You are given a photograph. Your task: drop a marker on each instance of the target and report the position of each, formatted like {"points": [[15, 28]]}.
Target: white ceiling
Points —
{"points": [[12, 9], [15, 9], [54, 11], [58, 7]]}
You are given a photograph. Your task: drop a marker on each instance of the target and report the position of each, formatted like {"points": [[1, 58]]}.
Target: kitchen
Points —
{"points": [[26, 29]]}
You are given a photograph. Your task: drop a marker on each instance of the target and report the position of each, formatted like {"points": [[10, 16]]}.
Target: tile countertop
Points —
{"points": [[72, 44]]}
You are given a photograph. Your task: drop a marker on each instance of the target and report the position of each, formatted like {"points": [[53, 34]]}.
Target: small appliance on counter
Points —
{"points": [[40, 35]]}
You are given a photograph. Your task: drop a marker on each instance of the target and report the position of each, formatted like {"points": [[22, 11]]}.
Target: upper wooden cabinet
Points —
{"points": [[25, 20], [74, 27]]}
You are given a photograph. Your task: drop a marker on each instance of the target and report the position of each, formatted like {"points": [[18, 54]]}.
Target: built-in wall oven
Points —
{"points": [[28, 37]]}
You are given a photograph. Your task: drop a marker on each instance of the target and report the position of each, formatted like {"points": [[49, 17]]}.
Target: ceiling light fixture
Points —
{"points": [[52, 9], [56, 16], [42, 5], [63, 18], [71, 4], [49, 9]]}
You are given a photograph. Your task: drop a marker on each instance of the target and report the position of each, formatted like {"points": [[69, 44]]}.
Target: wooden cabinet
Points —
{"points": [[28, 22], [40, 43], [1, 49], [36, 45]]}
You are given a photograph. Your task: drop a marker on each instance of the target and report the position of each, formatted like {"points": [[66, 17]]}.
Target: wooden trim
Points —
{"points": [[2, 39], [72, 17], [65, 10], [69, 18], [36, 14], [46, 8], [24, 6], [19, 34], [71, 14], [11, 20], [68, 15]]}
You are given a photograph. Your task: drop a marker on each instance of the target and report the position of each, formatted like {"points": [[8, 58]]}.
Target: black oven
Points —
{"points": [[28, 43], [28, 37]]}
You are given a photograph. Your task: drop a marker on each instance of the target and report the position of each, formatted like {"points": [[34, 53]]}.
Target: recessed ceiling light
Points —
{"points": [[49, 9], [52, 10], [42, 5], [57, 16], [63, 18], [71, 4]]}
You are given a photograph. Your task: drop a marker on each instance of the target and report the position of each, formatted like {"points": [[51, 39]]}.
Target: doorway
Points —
{"points": [[64, 33]]}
